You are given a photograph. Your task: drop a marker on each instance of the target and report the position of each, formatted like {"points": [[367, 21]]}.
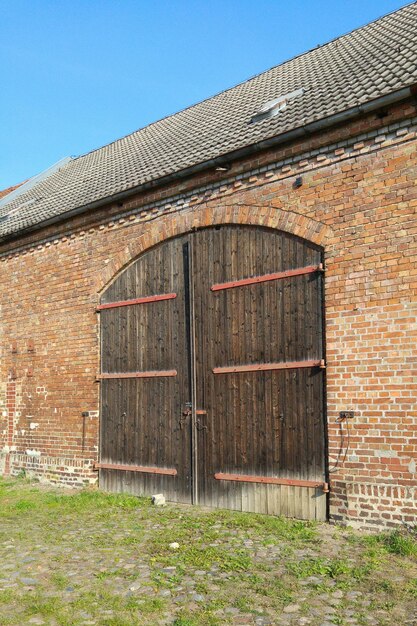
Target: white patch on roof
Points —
{"points": [[273, 107], [31, 183]]}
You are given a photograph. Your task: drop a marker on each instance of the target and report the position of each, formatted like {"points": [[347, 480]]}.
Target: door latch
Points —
{"points": [[188, 408], [186, 413]]}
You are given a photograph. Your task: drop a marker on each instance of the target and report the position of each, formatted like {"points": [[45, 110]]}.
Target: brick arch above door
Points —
{"points": [[175, 224]]}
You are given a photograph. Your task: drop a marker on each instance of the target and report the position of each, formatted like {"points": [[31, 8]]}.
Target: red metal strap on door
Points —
{"points": [[144, 300], [310, 269], [291, 482], [150, 374], [135, 468], [263, 367]]}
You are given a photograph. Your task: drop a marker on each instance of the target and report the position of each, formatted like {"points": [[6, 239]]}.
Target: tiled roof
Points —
{"points": [[370, 62]]}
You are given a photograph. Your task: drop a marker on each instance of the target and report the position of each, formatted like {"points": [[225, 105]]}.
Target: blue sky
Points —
{"points": [[77, 74]]}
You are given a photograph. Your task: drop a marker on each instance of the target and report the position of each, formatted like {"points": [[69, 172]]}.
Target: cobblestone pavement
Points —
{"points": [[91, 559]]}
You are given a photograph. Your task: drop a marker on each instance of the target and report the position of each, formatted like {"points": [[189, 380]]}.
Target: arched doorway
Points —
{"points": [[212, 383]]}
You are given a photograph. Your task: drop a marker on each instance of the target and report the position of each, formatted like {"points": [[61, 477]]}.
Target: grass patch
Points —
{"points": [[38, 604], [412, 588], [36, 498], [319, 567], [277, 528], [205, 558], [85, 500], [25, 505], [198, 619], [397, 542], [60, 581]]}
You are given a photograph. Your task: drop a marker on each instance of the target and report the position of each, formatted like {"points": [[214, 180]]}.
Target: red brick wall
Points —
{"points": [[358, 200]]}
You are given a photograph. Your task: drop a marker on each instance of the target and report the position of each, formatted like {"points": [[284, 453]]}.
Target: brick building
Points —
{"points": [[316, 159]]}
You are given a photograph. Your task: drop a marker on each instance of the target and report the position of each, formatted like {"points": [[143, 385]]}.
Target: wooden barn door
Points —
{"points": [[212, 377], [259, 372], [145, 381]]}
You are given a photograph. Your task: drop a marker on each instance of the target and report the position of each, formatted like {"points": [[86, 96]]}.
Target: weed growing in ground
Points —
{"points": [[60, 581], [397, 542], [198, 619], [412, 588]]}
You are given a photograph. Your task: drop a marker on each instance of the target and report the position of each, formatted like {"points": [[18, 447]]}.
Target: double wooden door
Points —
{"points": [[212, 377]]}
